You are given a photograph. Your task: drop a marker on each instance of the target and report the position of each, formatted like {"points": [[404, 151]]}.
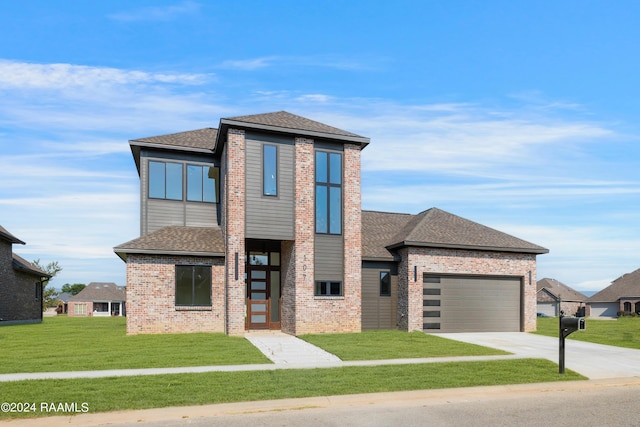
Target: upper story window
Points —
{"points": [[270, 170], [328, 192], [201, 184], [165, 180]]}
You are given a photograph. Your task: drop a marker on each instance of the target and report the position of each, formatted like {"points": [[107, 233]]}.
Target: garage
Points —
{"points": [[472, 303]]}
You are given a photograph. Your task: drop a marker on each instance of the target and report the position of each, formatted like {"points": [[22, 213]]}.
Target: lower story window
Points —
{"points": [[326, 288], [193, 285], [80, 309]]}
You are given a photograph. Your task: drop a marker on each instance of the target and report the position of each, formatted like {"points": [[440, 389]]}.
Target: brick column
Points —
{"points": [[234, 208], [352, 238]]}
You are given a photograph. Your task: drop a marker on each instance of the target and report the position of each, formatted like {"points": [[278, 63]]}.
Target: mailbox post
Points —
{"points": [[568, 325]]}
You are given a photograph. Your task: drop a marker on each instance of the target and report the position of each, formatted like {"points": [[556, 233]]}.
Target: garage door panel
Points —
{"points": [[473, 304]]}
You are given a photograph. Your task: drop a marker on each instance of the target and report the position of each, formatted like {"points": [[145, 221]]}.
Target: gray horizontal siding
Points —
{"points": [[269, 217], [329, 257], [379, 312]]}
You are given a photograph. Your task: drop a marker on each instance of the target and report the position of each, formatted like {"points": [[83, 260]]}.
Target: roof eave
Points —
{"points": [[536, 251], [123, 252], [226, 123]]}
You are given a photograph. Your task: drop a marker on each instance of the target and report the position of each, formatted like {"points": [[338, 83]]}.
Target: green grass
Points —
{"points": [[82, 343], [623, 332], [120, 393], [378, 345]]}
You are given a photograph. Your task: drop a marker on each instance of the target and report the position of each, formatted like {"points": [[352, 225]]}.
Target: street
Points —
{"points": [[583, 403]]}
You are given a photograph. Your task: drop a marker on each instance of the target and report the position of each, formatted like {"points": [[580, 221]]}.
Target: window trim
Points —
{"points": [[184, 180], [328, 283], [328, 185], [264, 170], [164, 164], [193, 305], [203, 168]]}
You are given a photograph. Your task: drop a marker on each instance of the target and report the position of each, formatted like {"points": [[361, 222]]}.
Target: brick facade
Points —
{"points": [[151, 293], [453, 261], [234, 230], [18, 301]]}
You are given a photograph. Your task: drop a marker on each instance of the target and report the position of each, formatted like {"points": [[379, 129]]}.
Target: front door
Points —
{"points": [[263, 287]]}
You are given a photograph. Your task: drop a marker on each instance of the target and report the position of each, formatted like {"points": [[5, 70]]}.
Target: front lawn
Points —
{"points": [[157, 391], [393, 344], [623, 332], [93, 343]]}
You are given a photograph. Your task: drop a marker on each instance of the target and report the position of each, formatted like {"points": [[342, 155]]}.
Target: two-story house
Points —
{"points": [[258, 225]]}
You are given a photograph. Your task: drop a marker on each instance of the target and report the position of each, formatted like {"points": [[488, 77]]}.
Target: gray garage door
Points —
{"points": [[472, 304]]}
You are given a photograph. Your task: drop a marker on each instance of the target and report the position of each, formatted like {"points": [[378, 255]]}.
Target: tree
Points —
{"points": [[48, 295], [73, 289]]}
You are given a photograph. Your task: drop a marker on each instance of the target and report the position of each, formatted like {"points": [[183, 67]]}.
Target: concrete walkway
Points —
{"points": [[285, 349]]}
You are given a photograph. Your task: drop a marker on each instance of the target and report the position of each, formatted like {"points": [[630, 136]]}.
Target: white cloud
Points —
{"points": [[23, 75]]}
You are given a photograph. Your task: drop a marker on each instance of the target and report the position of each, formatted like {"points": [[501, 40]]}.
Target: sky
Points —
{"points": [[522, 116]]}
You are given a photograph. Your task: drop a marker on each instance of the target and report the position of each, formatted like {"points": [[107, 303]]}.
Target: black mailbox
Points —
{"points": [[572, 324]]}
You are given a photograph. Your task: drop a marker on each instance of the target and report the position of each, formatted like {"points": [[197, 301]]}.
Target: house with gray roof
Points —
{"points": [[99, 299], [554, 296], [257, 224], [21, 284], [622, 297]]}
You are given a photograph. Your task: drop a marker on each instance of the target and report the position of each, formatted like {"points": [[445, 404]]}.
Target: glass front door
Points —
{"points": [[263, 287]]}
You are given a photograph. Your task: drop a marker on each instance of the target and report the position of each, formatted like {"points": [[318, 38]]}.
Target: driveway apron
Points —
{"points": [[594, 361]]}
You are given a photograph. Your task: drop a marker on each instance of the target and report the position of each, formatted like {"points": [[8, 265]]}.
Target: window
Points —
{"points": [[269, 170], [193, 285], [80, 309], [38, 290], [201, 184], [385, 284], [325, 288], [328, 193], [165, 180]]}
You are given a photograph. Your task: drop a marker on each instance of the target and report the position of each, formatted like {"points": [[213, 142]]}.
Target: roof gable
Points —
{"points": [[100, 291], [437, 228], [559, 290], [627, 285]]}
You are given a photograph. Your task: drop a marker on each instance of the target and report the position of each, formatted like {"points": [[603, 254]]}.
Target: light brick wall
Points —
{"points": [[313, 314], [452, 261], [151, 285], [234, 230]]}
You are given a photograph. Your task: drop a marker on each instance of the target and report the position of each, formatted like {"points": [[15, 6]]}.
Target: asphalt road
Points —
{"points": [[612, 402]]}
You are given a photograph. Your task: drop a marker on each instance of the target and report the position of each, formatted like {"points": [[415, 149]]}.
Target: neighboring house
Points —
{"points": [[621, 297], [20, 284], [63, 302], [258, 225], [553, 296], [98, 299]]}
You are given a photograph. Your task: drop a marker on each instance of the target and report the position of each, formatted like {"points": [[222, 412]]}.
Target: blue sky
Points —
{"points": [[522, 116]]}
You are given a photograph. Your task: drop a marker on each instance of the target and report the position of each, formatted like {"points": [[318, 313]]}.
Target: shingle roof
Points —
{"points": [[385, 231], [4, 234], [283, 119], [627, 285], [100, 291], [558, 289], [203, 241], [200, 139], [378, 230], [437, 228], [22, 264]]}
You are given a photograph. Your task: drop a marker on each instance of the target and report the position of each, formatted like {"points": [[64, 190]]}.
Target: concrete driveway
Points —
{"points": [[594, 361]]}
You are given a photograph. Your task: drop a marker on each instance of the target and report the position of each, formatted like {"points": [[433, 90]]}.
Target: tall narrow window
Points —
{"points": [[269, 170], [385, 284], [165, 180], [201, 184], [328, 193], [193, 285]]}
